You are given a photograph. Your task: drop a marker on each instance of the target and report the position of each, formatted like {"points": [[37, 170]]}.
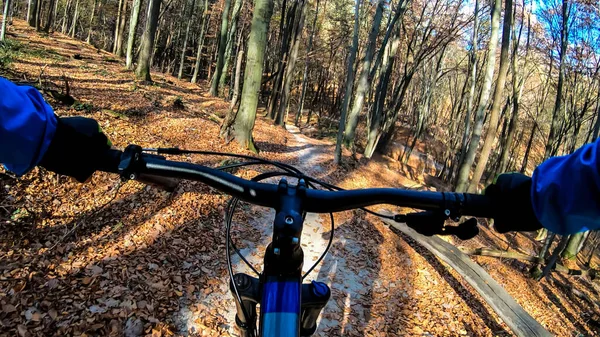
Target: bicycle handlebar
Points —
{"points": [[137, 165]]}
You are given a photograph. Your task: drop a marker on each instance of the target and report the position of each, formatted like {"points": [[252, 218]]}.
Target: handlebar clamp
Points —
{"points": [[131, 162]]}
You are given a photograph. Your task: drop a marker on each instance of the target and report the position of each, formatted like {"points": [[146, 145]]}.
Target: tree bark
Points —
{"points": [[305, 75], [204, 24], [573, 245], [4, 19], [142, 71], [133, 25], [238, 72], [517, 91], [597, 113], [38, 15], [288, 77], [349, 85], [190, 19], [214, 85], [257, 42], [473, 84], [65, 20], [235, 14], [284, 32], [494, 117], [364, 81], [552, 143], [388, 55], [465, 167], [73, 29], [50, 16], [120, 28], [28, 17], [557, 251], [32, 12], [89, 36]]}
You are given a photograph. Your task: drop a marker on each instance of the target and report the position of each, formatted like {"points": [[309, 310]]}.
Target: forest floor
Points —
{"points": [[104, 259]]}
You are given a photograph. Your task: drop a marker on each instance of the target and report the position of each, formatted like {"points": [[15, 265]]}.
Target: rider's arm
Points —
{"points": [[565, 191], [27, 127]]}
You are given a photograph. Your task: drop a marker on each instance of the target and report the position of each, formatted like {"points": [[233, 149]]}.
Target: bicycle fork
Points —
{"points": [[314, 298]]}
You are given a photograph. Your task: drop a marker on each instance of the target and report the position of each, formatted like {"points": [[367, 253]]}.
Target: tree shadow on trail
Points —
{"points": [[557, 301], [351, 270], [465, 294]]}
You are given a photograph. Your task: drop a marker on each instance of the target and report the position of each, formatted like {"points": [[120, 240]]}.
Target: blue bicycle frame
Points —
{"points": [[280, 307]]}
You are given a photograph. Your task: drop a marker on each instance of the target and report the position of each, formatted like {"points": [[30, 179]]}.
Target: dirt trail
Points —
{"points": [[347, 287]]}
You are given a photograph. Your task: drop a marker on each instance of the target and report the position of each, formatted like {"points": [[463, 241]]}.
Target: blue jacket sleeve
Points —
{"points": [[27, 126], [565, 191]]}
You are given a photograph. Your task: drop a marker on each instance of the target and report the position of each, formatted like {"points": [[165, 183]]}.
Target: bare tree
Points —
{"points": [[349, 85], [465, 167], [494, 117]]}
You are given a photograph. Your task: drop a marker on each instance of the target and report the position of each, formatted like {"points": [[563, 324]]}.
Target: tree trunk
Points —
{"points": [[28, 17], [120, 28], [597, 124], [65, 20], [38, 15], [4, 19], [89, 36], [552, 144], [238, 72], [296, 34], [490, 137], [185, 39], [572, 247], [364, 81], [142, 71], [473, 84], [284, 32], [557, 251], [50, 16], [517, 91], [388, 55], [536, 271], [257, 43], [73, 29], [32, 12], [305, 75], [349, 85], [133, 24], [214, 85], [465, 167], [205, 23], [235, 14]]}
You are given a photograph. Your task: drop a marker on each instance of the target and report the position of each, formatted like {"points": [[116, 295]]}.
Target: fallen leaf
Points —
{"points": [[95, 309], [86, 280], [96, 270], [22, 330], [8, 308], [36, 317], [53, 314]]}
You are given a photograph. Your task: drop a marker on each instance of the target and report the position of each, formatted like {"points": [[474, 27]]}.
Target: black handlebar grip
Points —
{"points": [[109, 161], [478, 205]]}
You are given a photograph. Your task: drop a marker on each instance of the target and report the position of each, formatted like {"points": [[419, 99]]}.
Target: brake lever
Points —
{"points": [[431, 223], [465, 231]]}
